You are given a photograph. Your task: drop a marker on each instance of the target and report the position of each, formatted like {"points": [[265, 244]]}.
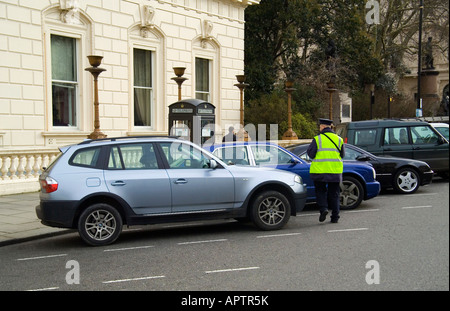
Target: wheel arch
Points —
{"points": [[361, 181], [106, 198], [273, 186]]}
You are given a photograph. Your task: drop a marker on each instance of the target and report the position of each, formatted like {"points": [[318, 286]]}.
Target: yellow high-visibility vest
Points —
{"points": [[328, 159]]}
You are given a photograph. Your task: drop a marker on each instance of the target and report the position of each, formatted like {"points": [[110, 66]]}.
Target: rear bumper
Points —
{"points": [[59, 214]]}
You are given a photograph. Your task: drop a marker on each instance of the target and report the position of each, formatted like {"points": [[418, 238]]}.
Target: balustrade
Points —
{"points": [[24, 165]]}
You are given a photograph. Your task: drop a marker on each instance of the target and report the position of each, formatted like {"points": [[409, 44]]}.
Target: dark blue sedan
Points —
{"points": [[358, 179]]}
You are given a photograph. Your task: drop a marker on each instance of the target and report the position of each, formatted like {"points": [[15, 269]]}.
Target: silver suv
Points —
{"points": [[97, 186]]}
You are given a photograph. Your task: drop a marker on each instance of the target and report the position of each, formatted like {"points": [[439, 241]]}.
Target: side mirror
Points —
{"points": [[294, 161], [362, 158], [213, 164], [441, 140]]}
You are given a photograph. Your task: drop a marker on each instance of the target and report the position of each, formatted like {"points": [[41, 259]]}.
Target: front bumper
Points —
{"points": [[427, 178], [372, 190], [59, 214], [300, 200]]}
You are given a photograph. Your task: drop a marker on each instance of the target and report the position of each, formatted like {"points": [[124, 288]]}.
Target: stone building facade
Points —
{"points": [[46, 95]]}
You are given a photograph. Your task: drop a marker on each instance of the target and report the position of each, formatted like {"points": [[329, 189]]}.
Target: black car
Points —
{"points": [[404, 175], [416, 140]]}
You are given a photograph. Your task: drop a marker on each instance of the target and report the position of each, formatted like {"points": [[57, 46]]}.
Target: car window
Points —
{"points": [[133, 156], [268, 155], [396, 136], [183, 156], [233, 155], [351, 154], [423, 135], [365, 137], [444, 131], [87, 157]]}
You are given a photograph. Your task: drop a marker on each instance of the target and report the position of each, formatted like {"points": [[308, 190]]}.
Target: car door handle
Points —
{"points": [[118, 183], [180, 181]]}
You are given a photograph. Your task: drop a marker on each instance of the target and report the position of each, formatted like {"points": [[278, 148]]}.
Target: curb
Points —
{"points": [[35, 237]]}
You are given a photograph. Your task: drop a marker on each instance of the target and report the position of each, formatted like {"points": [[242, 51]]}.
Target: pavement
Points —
{"points": [[18, 220]]}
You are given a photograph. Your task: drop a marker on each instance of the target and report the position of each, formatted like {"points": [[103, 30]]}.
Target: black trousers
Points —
{"points": [[327, 196]]}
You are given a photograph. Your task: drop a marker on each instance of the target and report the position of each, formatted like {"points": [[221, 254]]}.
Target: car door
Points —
{"points": [[134, 174], [397, 143], [196, 186], [429, 147]]}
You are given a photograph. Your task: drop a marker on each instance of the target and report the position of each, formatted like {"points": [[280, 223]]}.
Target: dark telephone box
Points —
{"points": [[192, 119]]}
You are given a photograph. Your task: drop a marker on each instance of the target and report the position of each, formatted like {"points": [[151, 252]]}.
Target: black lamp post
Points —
{"points": [[419, 71]]}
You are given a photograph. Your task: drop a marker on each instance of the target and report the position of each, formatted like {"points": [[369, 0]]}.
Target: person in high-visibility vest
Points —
{"points": [[326, 151]]}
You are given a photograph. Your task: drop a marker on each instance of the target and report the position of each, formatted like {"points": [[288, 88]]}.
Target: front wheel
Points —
{"points": [[352, 193], [270, 210], [406, 181], [100, 224]]}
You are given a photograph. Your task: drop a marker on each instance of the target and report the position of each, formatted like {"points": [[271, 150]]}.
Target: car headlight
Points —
{"points": [[374, 174], [298, 179]]}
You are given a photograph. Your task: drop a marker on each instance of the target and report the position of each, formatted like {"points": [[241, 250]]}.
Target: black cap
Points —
{"points": [[325, 121]]}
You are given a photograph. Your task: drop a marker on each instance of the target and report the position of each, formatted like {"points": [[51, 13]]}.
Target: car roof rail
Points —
{"points": [[89, 141]]}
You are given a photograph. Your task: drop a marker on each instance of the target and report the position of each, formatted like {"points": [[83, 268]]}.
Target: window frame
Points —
{"points": [[209, 84], [81, 32], [152, 88], [75, 83]]}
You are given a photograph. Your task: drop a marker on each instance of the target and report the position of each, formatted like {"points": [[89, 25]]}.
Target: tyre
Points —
{"points": [[352, 193], [270, 210], [406, 181], [99, 224]]}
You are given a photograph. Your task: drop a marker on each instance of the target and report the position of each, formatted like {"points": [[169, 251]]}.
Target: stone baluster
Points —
{"points": [[4, 168], [37, 165], [21, 167], [13, 167], [29, 167]]}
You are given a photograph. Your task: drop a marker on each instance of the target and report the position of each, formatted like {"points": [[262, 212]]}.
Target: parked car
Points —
{"points": [[404, 175], [358, 179], [99, 185], [405, 139], [442, 128]]}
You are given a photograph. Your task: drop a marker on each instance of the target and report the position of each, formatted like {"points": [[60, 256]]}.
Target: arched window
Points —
{"points": [[66, 45], [147, 109]]}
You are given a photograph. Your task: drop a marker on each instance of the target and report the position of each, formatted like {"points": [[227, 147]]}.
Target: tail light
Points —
{"points": [[345, 140], [49, 185]]}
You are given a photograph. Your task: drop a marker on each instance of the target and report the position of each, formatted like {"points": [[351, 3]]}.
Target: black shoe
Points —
{"points": [[335, 221], [322, 216]]}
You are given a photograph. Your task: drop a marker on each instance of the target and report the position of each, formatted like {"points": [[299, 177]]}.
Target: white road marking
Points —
{"points": [[135, 279], [231, 270], [277, 235], [363, 211], [41, 257], [127, 248], [347, 230], [42, 289], [411, 207], [205, 241]]}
